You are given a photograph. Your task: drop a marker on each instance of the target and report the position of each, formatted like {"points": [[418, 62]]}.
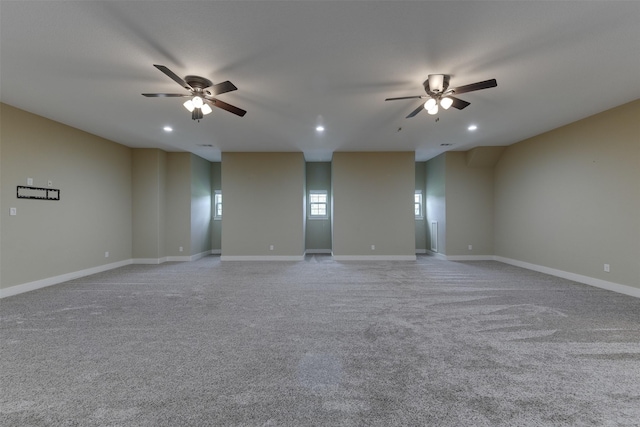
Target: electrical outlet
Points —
{"points": [[106, 254], [470, 247], [373, 247], [180, 248], [50, 183], [270, 247], [13, 211], [29, 181], [607, 268]]}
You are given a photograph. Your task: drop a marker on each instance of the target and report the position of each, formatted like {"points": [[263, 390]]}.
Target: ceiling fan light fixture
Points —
{"points": [[433, 110], [196, 114], [206, 109], [189, 105], [430, 104], [446, 103], [197, 102]]}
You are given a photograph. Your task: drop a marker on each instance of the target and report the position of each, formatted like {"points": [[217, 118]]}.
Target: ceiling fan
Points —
{"points": [[202, 94], [440, 94]]}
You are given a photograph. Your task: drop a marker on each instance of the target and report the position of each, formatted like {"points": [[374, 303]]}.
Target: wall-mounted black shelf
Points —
{"points": [[37, 193]]}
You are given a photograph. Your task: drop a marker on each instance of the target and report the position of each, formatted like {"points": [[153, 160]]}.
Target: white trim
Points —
{"points": [[470, 257], [178, 258], [262, 258], [215, 251], [217, 217], [421, 202], [598, 283], [200, 255], [152, 261], [421, 251], [374, 257], [43, 283], [317, 251]]}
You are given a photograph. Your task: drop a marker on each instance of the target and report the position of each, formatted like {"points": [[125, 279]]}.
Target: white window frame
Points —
{"points": [[217, 201], [419, 203], [326, 203]]}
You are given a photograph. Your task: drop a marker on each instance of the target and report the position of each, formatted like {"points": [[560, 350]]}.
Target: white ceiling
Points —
{"points": [[301, 63]]}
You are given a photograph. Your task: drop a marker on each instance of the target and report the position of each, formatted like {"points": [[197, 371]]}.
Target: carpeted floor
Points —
{"points": [[320, 343]]}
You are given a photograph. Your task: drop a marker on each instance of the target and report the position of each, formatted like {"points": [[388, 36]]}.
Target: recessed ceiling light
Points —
{"points": [[319, 128], [168, 129], [472, 127]]}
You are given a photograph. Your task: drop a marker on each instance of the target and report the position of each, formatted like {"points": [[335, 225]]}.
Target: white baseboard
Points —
{"points": [[150, 261], [200, 255], [421, 251], [317, 251], [598, 283], [470, 257], [215, 251], [185, 258], [262, 258], [49, 281], [374, 257], [178, 258]]}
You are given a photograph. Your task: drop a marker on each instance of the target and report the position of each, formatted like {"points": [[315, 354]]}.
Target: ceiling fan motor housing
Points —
{"points": [[197, 82]]}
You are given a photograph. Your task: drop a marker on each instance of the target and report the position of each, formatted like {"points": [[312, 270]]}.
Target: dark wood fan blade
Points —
{"points": [[459, 103], [223, 87], [230, 108], [406, 97], [165, 95], [475, 86], [173, 76], [416, 111]]}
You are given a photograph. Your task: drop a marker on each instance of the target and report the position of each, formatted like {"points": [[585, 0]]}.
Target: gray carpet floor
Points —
{"points": [[320, 343]]}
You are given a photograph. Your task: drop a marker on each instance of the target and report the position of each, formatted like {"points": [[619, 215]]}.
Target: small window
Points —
{"points": [[417, 203], [217, 205], [318, 205]]}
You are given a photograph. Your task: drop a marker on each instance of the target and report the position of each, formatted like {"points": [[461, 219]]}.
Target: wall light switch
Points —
{"points": [[607, 268], [13, 211], [49, 183]]}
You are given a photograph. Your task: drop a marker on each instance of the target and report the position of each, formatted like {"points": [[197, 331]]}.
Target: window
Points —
{"points": [[217, 205], [417, 203], [318, 205]]}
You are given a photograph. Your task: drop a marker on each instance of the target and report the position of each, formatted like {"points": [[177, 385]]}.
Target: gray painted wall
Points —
{"points": [[421, 224], [200, 206], [569, 199], [263, 199], [436, 202], [318, 231], [178, 204], [51, 238], [148, 201], [373, 204], [469, 207], [216, 225]]}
